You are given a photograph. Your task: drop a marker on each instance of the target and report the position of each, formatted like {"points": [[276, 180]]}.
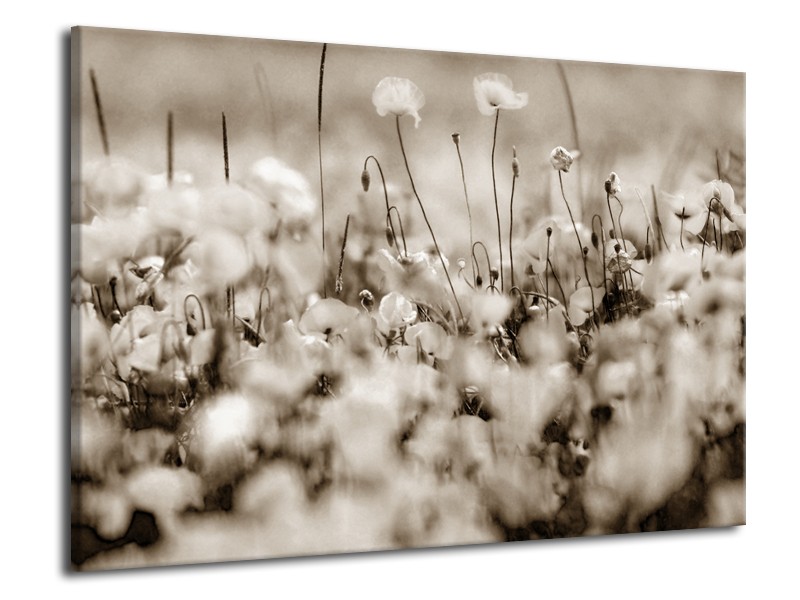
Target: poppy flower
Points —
{"points": [[494, 91], [327, 316], [286, 192], [399, 97], [583, 302], [561, 159], [397, 311]]}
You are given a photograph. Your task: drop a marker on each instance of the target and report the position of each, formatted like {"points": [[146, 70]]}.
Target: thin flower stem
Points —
{"points": [[546, 278], [496, 206], [402, 231], [622, 233], [260, 306], [558, 282], [321, 186], [603, 264], [425, 216], [683, 217], [475, 260], [659, 238], [574, 123], [199, 304], [705, 235], [385, 198], [511, 228], [580, 245], [99, 301], [466, 196]]}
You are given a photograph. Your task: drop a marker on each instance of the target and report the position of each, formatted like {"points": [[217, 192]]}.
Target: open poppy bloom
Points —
{"points": [[398, 96], [494, 91]]}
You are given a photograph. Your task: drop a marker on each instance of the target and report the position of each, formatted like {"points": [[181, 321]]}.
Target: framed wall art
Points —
{"points": [[332, 299]]}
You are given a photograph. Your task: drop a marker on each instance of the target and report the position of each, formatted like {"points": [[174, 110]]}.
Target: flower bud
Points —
{"points": [[479, 280], [648, 253], [367, 299], [595, 241], [549, 231], [613, 186], [365, 180], [561, 159], [389, 236], [515, 162]]}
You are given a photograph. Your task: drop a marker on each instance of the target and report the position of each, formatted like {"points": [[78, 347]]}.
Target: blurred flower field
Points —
{"points": [[367, 339]]}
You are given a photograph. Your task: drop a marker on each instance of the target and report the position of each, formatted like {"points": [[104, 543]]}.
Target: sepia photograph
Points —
{"points": [[331, 299]]}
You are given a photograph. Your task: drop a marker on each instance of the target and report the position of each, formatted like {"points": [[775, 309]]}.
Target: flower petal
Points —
{"points": [[398, 96], [494, 91]]}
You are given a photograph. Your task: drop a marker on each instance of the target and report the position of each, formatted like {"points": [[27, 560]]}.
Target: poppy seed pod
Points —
{"points": [[365, 180], [456, 138]]}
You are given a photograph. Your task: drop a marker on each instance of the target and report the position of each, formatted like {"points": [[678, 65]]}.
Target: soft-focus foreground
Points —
{"points": [[248, 382]]}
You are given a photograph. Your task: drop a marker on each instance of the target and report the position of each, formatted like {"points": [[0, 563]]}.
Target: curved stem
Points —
{"points": [[199, 304], [496, 206], [475, 260], [425, 216], [385, 194], [580, 246], [402, 232], [260, 304], [466, 196]]}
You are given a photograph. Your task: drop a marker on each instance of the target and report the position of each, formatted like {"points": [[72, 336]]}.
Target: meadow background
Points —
{"points": [[757, 39]]}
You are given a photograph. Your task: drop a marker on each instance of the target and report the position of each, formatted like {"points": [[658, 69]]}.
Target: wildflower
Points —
{"points": [[613, 186], [619, 255], [494, 91], [327, 316], [489, 311], [286, 192], [561, 159], [417, 275], [583, 302], [431, 337], [399, 97], [396, 310]]}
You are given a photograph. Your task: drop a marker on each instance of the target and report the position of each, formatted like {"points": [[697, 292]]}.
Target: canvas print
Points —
{"points": [[336, 299]]}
